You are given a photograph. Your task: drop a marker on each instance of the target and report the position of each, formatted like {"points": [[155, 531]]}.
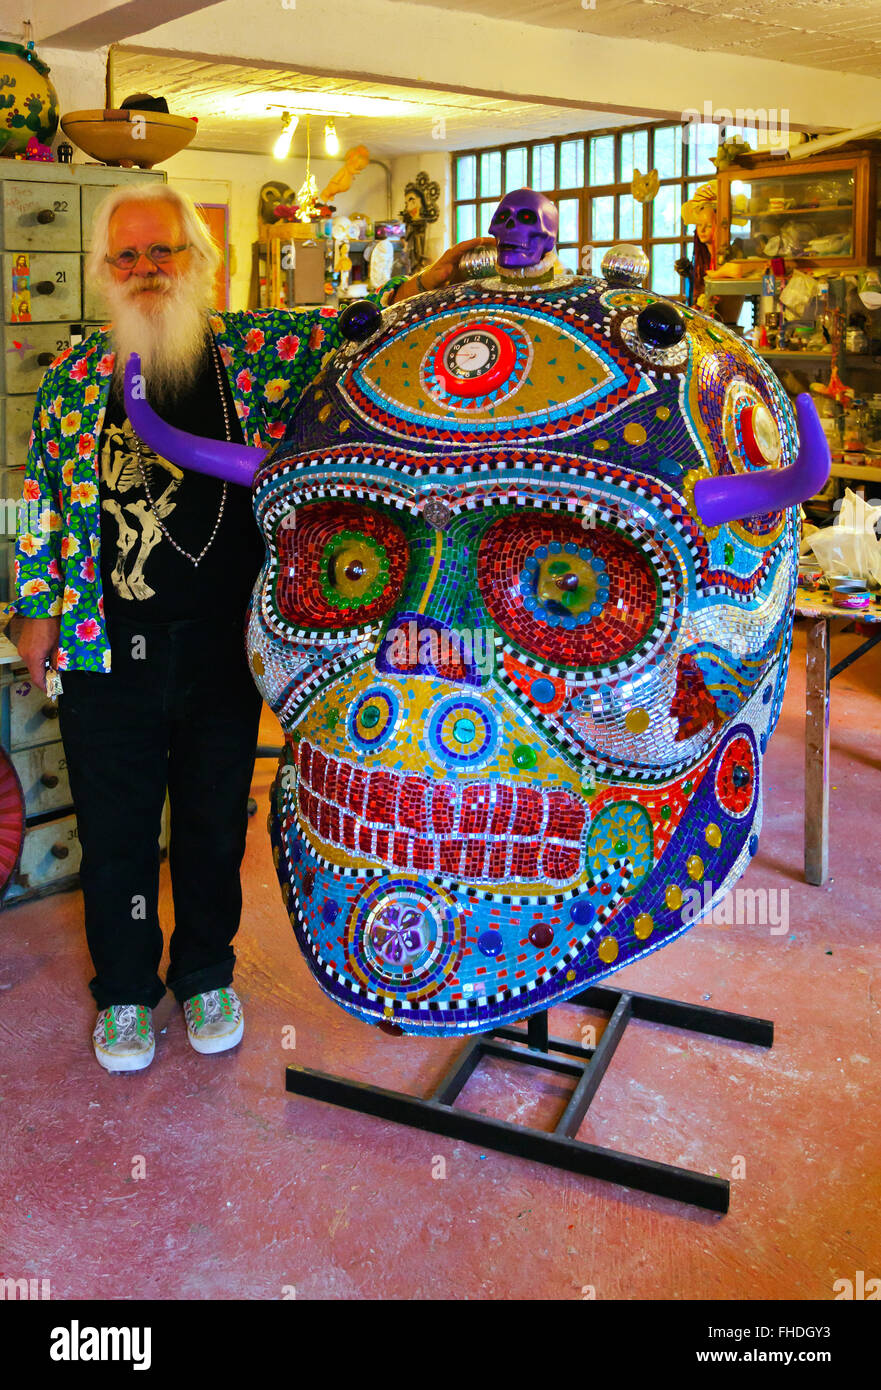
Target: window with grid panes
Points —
{"points": [[589, 177]]}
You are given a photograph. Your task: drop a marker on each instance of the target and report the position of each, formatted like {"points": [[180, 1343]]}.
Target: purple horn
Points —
{"points": [[770, 489], [235, 463]]}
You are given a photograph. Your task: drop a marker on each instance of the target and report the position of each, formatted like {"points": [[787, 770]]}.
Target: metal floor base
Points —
{"points": [[437, 1114]]}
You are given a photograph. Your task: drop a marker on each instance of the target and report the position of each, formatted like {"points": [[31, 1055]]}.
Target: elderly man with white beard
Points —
{"points": [[155, 564]]}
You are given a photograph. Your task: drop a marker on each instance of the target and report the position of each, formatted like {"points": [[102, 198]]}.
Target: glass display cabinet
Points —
{"points": [[817, 213]]}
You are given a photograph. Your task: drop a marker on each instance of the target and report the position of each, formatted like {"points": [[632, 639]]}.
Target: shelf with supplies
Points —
{"points": [[293, 266], [838, 188], [852, 359], [799, 212], [871, 472]]}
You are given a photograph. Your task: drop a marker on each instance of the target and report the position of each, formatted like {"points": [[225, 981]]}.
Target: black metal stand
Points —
{"points": [[559, 1149]]}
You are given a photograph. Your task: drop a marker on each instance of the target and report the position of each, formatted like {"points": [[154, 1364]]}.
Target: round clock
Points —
{"points": [[474, 359]]}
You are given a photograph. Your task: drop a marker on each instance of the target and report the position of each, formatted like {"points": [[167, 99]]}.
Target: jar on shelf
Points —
{"points": [[873, 424], [829, 412], [855, 340], [855, 426]]}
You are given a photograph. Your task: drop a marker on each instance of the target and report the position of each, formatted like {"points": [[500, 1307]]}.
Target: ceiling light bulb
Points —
{"points": [[331, 139], [282, 146]]}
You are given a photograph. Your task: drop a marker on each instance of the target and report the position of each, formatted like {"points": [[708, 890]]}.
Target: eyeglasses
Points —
{"points": [[159, 253]]}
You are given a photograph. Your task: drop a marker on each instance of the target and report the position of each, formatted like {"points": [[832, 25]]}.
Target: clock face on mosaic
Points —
{"points": [[525, 688]]}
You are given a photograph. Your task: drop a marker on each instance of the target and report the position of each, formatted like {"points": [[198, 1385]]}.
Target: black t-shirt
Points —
{"points": [[143, 576]]}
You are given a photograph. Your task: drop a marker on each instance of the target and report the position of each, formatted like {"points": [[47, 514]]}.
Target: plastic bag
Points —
{"points": [[850, 548], [798, 291]]}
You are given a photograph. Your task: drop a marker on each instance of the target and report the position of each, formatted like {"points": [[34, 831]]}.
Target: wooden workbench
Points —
{"points": [[821, 611]]}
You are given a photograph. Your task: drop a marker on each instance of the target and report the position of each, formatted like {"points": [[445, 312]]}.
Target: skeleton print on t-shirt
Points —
{"points": [[124, 497]]}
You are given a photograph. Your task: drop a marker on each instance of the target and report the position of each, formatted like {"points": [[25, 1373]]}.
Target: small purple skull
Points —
{"points": [[525, 227]]}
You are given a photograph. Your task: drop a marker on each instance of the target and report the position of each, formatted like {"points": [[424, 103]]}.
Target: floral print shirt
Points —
{"points": [[270, 355]]}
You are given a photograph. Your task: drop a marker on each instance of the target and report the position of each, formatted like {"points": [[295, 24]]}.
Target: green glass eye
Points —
{"points": [[524, 756], [354, 570]]}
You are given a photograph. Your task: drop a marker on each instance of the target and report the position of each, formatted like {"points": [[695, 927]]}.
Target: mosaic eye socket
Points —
{"points": [[342, 565], [577, 598]]}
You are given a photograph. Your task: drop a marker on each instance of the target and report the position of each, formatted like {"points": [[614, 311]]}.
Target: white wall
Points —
{"points": [[79, 80], [437, 165]]}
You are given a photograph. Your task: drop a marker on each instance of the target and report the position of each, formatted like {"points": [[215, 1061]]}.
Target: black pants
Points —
{"points": [[179, 711]]}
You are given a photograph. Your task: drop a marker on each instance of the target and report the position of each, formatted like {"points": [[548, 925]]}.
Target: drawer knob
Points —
{"points": [[45, 215], [45, 287], [45, 359], [49, 779], [60, 851], [49, 711]]}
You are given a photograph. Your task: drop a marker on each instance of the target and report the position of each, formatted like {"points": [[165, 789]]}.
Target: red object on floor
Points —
{"points": [[11, 819]]}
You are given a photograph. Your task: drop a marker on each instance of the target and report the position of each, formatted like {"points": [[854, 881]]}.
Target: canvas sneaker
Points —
{"points": [[123, 1037], [215, 1021]]}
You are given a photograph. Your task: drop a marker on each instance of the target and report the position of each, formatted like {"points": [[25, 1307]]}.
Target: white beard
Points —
{"points": [[166, 328]]}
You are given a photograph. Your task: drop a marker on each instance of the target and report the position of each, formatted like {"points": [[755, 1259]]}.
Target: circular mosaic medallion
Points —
{"points": [[760, 435], [372, 718], [477, 364], [736, 781], [622, 830], [404, 938], [752, 440], [462, 732]]}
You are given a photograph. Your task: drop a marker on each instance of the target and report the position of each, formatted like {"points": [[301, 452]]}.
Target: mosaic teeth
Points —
{"points": [[491, 831]]}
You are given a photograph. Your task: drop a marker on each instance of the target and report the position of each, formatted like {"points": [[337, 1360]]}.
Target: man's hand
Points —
{"points": [[444, 271], [37, 643]]}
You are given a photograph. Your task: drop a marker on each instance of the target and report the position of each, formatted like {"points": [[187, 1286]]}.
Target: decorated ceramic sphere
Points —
{"points": [[28, 100], [525, 619]]}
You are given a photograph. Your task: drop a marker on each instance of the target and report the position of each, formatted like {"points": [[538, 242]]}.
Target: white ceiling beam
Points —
{"points": [[91, 24], [392, 41]]}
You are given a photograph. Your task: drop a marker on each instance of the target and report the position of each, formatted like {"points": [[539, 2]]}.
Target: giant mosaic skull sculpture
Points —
{"points": [[525, 619]]}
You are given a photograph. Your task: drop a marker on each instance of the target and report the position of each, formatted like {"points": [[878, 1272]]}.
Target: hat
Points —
{"points": [[703, 195], [142, 101]]}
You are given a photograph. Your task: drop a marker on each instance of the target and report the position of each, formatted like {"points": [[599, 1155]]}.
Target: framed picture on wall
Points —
{"points": [[216, 216]]}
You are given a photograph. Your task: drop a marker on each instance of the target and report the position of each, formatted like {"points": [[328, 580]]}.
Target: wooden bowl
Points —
{"points": [[129, 138]]}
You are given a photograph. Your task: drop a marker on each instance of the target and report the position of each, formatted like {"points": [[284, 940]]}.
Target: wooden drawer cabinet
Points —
{"points": [[37, 216], [28, 349], [90, 198], [42, 772], [16, 418], [93, 303], [53, 281], [33, 717], [11, 486], [50, 854], [50, 857]]}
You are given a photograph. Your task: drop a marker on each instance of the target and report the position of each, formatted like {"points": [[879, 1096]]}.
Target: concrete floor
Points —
{"points": [[250, 1194]]}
